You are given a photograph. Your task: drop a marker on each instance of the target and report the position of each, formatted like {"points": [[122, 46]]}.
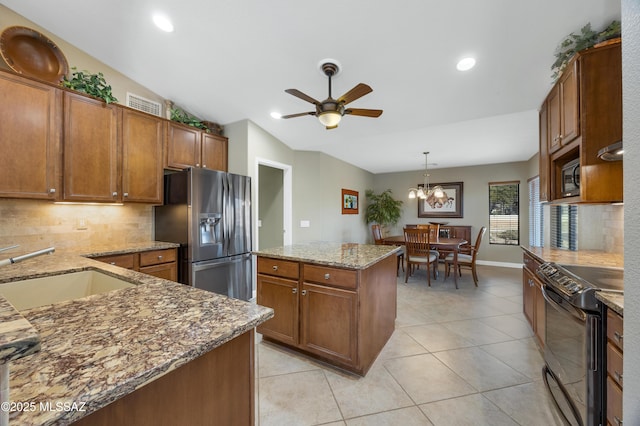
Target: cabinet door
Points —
{"points": [[282, 296], [328, 322], [214, 152], [554, 122], [528, 296], [168, 271], [570, 118], [142, 145], [183, 146], [543, 157], [91, 148], [30, 131]]}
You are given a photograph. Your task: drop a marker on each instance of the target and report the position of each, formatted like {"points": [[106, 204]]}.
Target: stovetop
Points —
{"points": [[578, 284]]}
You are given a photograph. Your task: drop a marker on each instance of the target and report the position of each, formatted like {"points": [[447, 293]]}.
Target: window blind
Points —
{"points": [[536, 214], [564, 227]]}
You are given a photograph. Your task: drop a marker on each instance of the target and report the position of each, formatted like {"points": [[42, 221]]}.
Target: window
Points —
{"points": [[564, 227], [536, 214], [504, 215]]}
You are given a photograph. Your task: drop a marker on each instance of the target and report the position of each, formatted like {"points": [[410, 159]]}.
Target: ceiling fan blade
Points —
{"points": [[304, 97], [300, 114], [364, 112], [357, 92]]}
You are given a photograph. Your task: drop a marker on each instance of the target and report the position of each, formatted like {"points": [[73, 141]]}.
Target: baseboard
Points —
{"points": [[501, 264]]}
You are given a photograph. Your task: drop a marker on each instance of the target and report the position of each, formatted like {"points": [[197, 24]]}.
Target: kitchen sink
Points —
{"points": [[36, 292]]}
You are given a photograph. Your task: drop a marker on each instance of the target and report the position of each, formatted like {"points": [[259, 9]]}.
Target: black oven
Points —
{"points": [[574, 339], [570, 178]]}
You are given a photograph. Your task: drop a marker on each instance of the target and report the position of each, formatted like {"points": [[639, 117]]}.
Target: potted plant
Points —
{"points": [[91, 84], [382, 209]]}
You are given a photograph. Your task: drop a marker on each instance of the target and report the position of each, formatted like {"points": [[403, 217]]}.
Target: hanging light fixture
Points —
{"points": [[425, 191]]}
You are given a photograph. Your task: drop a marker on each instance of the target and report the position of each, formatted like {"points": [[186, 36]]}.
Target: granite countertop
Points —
{"points": [[100, 348], [343, 255], [614, 301]]}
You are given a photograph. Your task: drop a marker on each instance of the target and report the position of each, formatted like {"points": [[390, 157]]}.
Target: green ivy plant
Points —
{"points": [[184, 117], [382, 208], [574, 43], [91, 84]]}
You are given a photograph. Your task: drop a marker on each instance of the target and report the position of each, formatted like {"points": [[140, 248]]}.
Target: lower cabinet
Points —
{"points": [[614, 368], [341, 316], [533, 305], [159, 263]]}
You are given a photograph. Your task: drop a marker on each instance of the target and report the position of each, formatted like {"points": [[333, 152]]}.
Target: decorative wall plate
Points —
{"points": [[29, 52]]}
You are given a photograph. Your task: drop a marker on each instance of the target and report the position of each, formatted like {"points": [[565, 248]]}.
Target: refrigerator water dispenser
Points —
{"points": [[209, 228]]}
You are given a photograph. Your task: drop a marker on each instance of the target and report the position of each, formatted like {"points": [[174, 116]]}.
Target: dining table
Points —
{"points": [[452, 244]]}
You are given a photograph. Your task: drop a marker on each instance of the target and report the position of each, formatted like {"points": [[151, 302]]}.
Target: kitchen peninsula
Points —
{"points": [[332, 301], [154, 351]]}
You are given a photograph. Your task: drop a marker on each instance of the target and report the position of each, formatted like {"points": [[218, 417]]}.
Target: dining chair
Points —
{"points": [[466, 260], [434, 234], [378, 240], [418, 249]]}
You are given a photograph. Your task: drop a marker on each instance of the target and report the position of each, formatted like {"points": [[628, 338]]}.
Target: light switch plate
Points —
{"points": [[305, 224]]}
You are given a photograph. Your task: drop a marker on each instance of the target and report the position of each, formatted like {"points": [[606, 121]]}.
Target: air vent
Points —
{"points": [[142, 104]]}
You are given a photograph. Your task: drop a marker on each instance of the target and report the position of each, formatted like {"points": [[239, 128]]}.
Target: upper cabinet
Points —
{"points": [[143, 137], [581, 115], [30, 134], [190, 147]]}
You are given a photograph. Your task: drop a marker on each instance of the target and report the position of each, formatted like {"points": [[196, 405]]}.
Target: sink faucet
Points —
{"points": [[17, 259]]}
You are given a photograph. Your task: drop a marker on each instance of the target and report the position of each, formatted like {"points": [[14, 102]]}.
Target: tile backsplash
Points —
{"points": [[601, 227], [38, 224]]}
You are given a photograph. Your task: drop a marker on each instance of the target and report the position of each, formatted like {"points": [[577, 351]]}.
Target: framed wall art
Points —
{"points": [[447, 205], [349, 201]]}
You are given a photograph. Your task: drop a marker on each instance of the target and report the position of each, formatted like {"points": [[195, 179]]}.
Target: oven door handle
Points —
{"points": [[564, 307]]}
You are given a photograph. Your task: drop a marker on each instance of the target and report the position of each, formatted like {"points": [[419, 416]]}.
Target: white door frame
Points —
{"points": [[287, 188]]}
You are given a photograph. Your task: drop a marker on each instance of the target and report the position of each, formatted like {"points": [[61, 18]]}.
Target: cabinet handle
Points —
{"points": [[617, 376], [618, 337], [304, 292], [531, 283], [617, 420], [52, 191], [126, 194], [294, 290], [197, 164], [159, 257], [115, 194], [327, 276], [275, 267], [112, 263], [204, 165]]}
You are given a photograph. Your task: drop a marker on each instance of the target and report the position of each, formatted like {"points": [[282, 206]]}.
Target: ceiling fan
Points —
{"points": [[330, 111]]}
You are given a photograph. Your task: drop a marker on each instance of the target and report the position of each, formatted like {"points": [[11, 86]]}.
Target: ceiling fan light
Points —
{"points": [[330, 118]]}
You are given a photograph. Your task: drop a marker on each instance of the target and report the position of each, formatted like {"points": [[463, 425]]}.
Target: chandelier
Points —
{"points": [[424, 191]]}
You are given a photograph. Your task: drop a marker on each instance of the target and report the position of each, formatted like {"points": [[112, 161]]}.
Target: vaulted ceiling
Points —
{"points": [[232, 60]]}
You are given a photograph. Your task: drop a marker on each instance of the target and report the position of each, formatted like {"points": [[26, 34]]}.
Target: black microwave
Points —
{"points": [[570, 178]]}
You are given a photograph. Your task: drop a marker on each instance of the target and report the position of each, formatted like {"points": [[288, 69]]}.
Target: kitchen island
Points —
{"points": [[155, 352], [332, 301]]}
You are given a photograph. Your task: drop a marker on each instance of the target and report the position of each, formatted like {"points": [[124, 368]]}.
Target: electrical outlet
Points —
{"points": [[81, 223]]}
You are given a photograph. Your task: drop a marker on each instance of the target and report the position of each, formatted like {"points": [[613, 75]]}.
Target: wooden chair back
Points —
{"points": [[417, 242], [434, 230], [476, 248], [377, 233]]}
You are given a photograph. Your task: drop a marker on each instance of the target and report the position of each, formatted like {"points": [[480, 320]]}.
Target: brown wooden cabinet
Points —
{"points": [[533, 305], [91, 150], [189, 147], [142, 157], [159, 263], [30, 134], [614, 368], [342, 316], [581, 115]]}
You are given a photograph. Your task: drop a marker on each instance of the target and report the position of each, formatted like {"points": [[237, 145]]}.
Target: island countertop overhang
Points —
{"points": [[335, 254]]}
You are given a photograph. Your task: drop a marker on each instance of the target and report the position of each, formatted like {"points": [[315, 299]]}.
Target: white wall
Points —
{"points": [[631, 132], [475, 203]]}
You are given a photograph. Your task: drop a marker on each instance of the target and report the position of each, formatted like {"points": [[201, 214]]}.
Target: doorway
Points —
{"points": [[274, 209]]}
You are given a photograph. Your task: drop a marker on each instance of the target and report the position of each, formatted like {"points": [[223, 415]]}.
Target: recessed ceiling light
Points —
{"points": [[163, 23], [276, 115], [466, 64]]}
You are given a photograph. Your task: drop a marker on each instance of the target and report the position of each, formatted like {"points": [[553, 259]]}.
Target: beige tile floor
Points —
{"points": [[457, 357]]}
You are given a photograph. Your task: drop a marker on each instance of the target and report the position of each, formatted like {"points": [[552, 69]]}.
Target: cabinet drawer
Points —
{"points": [[156, 257], [614, 403], [168, 271], [529, 262], [278, 268], [614, 364], [121, 260], [614, 329], [330, 276]]}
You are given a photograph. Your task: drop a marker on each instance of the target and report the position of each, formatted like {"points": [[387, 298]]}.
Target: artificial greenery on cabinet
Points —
{"points": [[91, 84]]}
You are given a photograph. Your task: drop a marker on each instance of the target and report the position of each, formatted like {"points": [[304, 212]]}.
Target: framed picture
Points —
{"points": [[448, 205], [349, 201]]}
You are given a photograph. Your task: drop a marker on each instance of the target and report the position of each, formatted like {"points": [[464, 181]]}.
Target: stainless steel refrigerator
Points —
{"points": [[209, 214]]}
